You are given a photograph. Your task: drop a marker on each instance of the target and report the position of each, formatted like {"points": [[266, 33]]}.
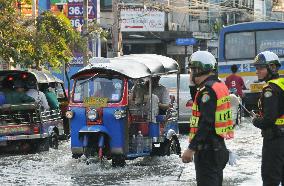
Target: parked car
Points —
{"points": [[169, 81]]}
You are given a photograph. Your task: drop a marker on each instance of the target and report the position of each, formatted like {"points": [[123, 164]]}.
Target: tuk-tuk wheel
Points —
{"points": [[118, 160], [76, 156], [172, 146], [53, 140]]}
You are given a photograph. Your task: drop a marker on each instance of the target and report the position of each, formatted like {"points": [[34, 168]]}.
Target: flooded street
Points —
{"points": [[56, 167]]}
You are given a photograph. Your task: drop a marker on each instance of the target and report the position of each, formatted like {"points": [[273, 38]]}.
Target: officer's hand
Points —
{"points": [[187, 156], [233, 158]]}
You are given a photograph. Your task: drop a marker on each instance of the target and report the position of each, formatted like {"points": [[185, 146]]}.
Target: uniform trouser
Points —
{"points": [[209, 165], [272, 167]]}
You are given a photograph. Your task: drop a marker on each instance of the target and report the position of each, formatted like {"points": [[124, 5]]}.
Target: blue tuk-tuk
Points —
{"points": [[109, 119], [25, 126]]}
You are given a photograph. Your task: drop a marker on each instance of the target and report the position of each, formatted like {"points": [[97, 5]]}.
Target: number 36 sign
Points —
{"points": [[75, 11]]}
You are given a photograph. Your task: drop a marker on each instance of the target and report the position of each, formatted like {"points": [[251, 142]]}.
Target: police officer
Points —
{"points": [[271, 118], [211, 122]]}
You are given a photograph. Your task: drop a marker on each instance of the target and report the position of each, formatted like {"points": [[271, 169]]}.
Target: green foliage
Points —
{"points": [[12, 34], [217, 26], [96, 30], [55, 40], [47, 41]]}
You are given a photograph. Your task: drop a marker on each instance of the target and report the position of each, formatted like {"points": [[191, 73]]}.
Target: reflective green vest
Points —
{"points": [[223, 114], [279, 82]]}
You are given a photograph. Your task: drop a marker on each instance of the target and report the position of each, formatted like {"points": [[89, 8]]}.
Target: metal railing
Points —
{"points": [[26, 114]]}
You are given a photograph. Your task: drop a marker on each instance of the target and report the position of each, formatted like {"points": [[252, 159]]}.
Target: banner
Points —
{"points": [[140, 19], [278, 6]]}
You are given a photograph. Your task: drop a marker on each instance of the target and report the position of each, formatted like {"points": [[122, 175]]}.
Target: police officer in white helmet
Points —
{"points": [[271, 118], [211, 121]]}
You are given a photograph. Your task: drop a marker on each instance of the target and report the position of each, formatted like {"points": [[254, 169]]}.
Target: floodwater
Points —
{"points": [[56, 167]]}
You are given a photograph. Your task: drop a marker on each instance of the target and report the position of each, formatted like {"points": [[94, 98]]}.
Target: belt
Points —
{"points": [[271, 133], [215, 147], [204, 147]]}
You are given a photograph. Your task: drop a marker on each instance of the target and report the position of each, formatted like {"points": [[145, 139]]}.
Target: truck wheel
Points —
{"points": [[53, 140], [118, 161], [40, 145]]}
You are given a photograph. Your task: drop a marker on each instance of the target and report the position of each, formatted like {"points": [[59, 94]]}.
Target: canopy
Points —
{"points": [[40, 76], [133, 66]]}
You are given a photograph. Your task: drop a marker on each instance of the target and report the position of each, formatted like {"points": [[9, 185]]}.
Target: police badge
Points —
{"points": [[205, 98]]}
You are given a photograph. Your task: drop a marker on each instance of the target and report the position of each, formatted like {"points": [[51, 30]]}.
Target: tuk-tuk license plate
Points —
{"points": [[256, 87]]}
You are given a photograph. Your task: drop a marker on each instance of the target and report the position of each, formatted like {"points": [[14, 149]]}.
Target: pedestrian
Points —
{"points": [[271, 118], [211, 122], [38, 95], [162, 93], [235, 81], [51, 97], [235, 106]]}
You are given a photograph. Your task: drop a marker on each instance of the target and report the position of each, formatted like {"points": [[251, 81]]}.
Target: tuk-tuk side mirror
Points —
{"points": [[189, 103], [69, 114]]}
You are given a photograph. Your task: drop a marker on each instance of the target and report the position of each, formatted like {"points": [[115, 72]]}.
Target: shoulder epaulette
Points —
{"points": [[265, 85], [201, 88]]}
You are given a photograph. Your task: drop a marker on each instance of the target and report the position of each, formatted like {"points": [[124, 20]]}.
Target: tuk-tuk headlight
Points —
{"points": [[69, 114], [92, 114], [119, 114]]}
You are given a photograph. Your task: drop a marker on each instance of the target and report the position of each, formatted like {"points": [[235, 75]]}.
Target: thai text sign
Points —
{"points": [[256, 87], [95, 102], [139, 19], [186, 41]]}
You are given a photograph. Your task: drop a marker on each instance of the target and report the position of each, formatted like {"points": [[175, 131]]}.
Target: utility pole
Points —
{"points": [[116, 40], [234, 13], [85, 32], [34, 7]]}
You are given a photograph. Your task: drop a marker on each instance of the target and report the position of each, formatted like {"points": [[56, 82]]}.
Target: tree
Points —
{"points": [[55, 39], [47, 41], [13, 44]]}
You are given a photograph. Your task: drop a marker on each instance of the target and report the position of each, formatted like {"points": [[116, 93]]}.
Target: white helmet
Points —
{"points": [[267, 59], [204, 61]]}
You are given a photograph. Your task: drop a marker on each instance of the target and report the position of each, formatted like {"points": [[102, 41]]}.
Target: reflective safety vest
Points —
{"points": [[279, 82], [223, 114]]}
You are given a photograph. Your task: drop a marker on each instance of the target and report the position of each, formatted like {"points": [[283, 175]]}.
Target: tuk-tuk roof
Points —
{"points": [[133, 66], [45, 77], [41, 77]]}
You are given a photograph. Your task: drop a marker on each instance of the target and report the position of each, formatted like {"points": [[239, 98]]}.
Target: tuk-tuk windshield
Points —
{"points": [[98, 86]]}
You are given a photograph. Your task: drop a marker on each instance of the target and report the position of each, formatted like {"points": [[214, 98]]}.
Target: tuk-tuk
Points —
{"points": [[26, 125], [58, 87], [108, 122]]}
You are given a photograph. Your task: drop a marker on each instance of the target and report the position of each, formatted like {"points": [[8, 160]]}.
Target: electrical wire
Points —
{"points": [[199, 8]]}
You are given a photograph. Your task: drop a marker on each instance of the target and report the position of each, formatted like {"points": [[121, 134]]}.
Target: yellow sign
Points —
{"points": [[95, 102], [256, 87]]}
